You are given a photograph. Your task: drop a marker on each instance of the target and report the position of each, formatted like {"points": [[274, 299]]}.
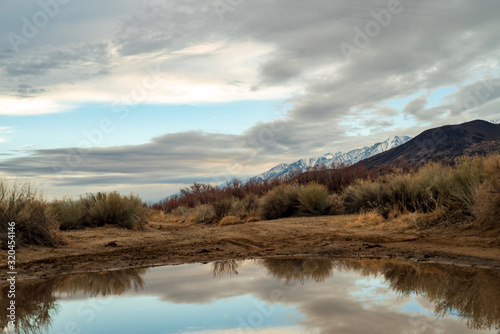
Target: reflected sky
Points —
{"points": [[266, 296]]}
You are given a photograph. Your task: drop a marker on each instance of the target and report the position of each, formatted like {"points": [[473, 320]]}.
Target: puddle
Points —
{"points": [[264, 296]]}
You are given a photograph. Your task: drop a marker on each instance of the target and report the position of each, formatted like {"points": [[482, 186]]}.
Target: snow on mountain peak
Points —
{"points": [[329, 159]]}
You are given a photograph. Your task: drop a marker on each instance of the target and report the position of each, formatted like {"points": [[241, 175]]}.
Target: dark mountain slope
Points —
{"points": [[442, 144]]}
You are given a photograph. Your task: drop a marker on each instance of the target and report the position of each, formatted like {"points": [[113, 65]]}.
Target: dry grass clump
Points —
{"points": [[35, 221], [411, 192], [293, 199], [281, 201], [365, 219], [204, 213], [335, 204], [115, 209], [157, 216], [70, 214], [252, 219], [313, 199], [245, 207], [93, 210], [459, 186], [180, 214], [191, 219], [487, 206], [230, 220], [221, 208], [434, 187], [412, 220]]}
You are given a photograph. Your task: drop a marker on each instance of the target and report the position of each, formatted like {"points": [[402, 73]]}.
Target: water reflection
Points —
{"points": [[472, 294], [103, 283], [35, 305], [225, 268], [299, 270], [36, 300]]}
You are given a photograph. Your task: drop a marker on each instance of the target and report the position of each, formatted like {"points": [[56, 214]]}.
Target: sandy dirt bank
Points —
{"points": [[330, 236]]}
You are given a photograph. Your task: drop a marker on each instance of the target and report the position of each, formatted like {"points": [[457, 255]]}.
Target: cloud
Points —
{"points": [[178, 158], [166, 26], [29, 106], [416, 106], [95, 53], [281, 49], [175, 158], [301, 48]]}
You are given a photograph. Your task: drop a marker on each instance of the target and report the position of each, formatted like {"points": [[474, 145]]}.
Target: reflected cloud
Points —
{"points": [[334, 296]]}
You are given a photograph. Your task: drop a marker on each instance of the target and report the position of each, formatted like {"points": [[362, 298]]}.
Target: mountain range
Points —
{"points": [[329, 159], [444, 144]]}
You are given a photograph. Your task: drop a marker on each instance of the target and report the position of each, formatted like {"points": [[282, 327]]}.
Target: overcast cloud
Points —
{"points": [[342, 89]]}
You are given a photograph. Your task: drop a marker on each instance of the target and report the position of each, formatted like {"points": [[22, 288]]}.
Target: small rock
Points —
{"points": [[112, 244]]}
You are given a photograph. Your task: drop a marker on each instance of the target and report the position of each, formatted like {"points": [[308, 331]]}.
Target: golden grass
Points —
{"points": [[230, 220], [368, 219], [252, 219], [191, 219], [157, 216]]}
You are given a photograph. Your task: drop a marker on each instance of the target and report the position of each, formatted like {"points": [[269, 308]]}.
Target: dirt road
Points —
{"points": [[168, 243]]}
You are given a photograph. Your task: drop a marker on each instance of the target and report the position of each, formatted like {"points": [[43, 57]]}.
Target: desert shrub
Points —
{"points": [[433, 187], [204, 213], [487, 206], [181, 212], [245, 207], [362, 195], [70, 214], [115, 209], [230, 220], [281, 201], [459, 186], [313, 199], [221, 208], [335, 204], [35, 222], [250, 204]]}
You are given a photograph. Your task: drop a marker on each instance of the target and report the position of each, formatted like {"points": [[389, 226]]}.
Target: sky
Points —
{"points": [[151, 96]]}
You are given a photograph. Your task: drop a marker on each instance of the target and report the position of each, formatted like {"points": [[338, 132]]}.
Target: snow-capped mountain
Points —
{"points": [[328, 159]]}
